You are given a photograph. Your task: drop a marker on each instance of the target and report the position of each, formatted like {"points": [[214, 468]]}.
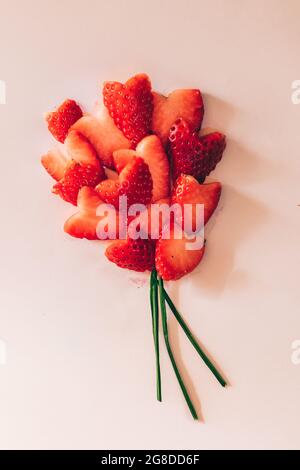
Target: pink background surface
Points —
{"points": [[80, 360]]}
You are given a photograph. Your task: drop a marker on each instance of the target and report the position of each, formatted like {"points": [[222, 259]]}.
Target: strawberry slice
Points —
{"points": [[103, 134], [109, 191], [130, 106], [151, 221], [76, 176], [88, 200], [60, 120], [80, 149], [111, 174], [152, 152], [193, 154], [55, 163], [173, 259], [84, 223], [135, 182], [77, 148], [187, 104], [187, 190], [136, 255], [123, 157]]}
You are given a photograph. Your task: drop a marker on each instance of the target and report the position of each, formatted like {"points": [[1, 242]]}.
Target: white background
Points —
{"points": [[80, 361]]}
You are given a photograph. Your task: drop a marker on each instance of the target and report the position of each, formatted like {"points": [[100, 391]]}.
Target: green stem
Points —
{"points": [[166, 336], [155, 327], [193, 340]]}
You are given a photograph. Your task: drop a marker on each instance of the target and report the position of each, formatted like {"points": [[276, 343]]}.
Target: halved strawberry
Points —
{"points": [[186, 103], [103, 134], [152, 152], [109, 191], [82, 225], [85, 223], [193, 154], [111, 174], [137, 255], [187, 190], [80, 149], [76, 176], [88, 200], [130, 106], [150, 222], [123, 157], [173, 259], [55, 163], [60, 120], [135, 182]]}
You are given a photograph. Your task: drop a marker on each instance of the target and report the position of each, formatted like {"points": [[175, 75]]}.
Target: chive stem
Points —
{"points": [[193, 340], [155, 328], [166, 336]]}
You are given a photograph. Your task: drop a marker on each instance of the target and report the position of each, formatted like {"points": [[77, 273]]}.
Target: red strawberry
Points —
{"points": [[82, 225], [85, 223], [152, 152], [137, 255], [192, 154], [187, 104], [135, 182], [103, 134], [55, 163], [80, 149], [123, 157], [187, 190], [88, 200], [151, 221], [173, 259], [111, 174], [130, 106], [109, 191], [60, 120], [76, 176]]}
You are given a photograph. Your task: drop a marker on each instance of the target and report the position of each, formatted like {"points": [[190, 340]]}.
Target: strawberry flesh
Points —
{"points": [[185, 103], [187, 190], [172, 258], [80, 149], [55, 163], [150, 222], [102, 133], [150, 149], [136, 255], [130, 106], [84, 223], [76, 176], [135, 182], [60, 120], [192, 154]]}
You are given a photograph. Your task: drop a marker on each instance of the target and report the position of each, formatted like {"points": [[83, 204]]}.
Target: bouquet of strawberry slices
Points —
{"points": [[135, 168]]}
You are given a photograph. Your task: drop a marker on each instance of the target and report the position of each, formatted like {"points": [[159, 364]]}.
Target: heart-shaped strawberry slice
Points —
{"points": [[193, 154], [185, 103], [137, 255], [92, 212], [55, 163], [150, 149], [60, 120], [173, 258], [187, 191], [135, 182], [75, 177], [130, 106], [100, 130]]}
